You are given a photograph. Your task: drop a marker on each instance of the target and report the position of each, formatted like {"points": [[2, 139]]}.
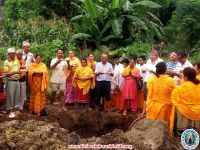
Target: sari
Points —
{"points": [[82, 87], [2, 95], [38, 82], [129, 91], [198, 77], [69, 91], [159, 105], [186, 107]]}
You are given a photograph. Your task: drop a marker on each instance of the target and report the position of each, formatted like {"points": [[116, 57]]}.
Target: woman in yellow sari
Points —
{"points": [[186, 104], [197, 68], [38, 82], [83, 81], [73, 63], [160, 87]]}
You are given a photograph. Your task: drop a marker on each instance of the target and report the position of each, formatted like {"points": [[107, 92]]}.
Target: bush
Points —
{"points": [[37, 31]]}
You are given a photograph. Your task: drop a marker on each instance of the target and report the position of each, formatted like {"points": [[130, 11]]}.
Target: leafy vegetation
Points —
{"points": [[126, 27], [103, 22]]}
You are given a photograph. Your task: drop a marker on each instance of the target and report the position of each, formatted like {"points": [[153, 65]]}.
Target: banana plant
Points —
{"points": [[103, 21]]}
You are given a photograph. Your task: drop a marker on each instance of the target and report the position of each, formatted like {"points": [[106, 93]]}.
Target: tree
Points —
{"points": [[184, 29], [105, 21]]}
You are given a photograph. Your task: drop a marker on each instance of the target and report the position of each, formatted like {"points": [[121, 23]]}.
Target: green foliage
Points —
{"points": [[37, 31], [134, 49], [103, 22], [23, 9], [183, 32]]}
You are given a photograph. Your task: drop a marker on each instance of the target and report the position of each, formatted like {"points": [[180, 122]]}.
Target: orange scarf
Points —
{"points": [[127, 71], [74, 63], [39, 68], [186, 99]]}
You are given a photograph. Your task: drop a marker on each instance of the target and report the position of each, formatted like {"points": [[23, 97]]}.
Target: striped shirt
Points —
{"points": [[10, 66], [172, 65]]}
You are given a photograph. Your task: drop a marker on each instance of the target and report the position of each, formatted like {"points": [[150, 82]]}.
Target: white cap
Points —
{"points": [[26, 43], [11, 50]]}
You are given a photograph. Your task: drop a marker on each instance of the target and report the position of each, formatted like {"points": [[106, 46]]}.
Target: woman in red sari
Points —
{"points": [[129, 91], [2, 95], [83, 81]]}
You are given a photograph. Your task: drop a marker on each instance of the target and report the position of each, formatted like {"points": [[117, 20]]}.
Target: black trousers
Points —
{"points": [[103, 89]]}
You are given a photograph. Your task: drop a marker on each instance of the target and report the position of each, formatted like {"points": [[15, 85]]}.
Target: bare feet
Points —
{"points": [[124, 112], [64, 108]]}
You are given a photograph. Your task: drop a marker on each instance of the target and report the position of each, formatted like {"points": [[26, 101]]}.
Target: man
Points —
{"points": [[180, 66], [27, 55], [118, 67], [173, 61], [141, 64], [103, 71], [11, 70], [28, 58], [58, 78], [149, 69], [22, 80]]}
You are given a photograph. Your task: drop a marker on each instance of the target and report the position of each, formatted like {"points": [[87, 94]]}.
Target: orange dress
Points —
{"points": [[38, 81], [159, 103]]}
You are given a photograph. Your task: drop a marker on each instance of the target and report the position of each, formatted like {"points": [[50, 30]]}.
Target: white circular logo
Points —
{"points": [[190, 139]]}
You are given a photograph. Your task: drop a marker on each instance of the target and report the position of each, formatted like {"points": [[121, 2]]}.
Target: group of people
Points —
{"points": [[159, 90]]}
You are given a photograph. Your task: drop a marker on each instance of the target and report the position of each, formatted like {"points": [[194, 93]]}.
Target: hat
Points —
{"points": [[26, 43], [11, 50]]}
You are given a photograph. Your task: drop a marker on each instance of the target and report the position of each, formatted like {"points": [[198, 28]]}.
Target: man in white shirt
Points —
{"points": [[180, 66], [141, 64], [148, 70], [118, 68], [58, 78], [27, 55], [104, 72]]}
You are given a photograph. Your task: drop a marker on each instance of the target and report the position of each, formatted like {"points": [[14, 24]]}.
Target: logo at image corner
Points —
{"points": [[190, 139]]}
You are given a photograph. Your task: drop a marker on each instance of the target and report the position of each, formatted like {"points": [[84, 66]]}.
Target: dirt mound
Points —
{"points": [[40, 135]]}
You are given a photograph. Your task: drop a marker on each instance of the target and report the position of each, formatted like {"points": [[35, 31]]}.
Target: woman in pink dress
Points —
{"points": [[129, 91]]}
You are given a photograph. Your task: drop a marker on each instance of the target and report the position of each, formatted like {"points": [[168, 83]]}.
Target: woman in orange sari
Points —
{"points": [[197, 69], [83, 81], [160, 86], [186, 104], [129, 91], [38, 81]]}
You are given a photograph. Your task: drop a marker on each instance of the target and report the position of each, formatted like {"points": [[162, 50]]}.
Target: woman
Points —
{"points": [[38, 82], [2, 95], [83, 81], [73, 63], [129, 91], [91, 62], [197, 68], [159, 88], [186, 104]]}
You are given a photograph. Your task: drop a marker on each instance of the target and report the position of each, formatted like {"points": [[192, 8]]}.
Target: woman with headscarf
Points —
{"points": [[38, 82]]}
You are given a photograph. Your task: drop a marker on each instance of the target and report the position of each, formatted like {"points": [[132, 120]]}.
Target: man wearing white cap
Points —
{"points": [[11, 70], [28, 58], [27, 55]]}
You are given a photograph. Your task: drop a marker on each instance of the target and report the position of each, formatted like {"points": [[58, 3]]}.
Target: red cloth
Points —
{"points": [[79, 97], [129, 95]]}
